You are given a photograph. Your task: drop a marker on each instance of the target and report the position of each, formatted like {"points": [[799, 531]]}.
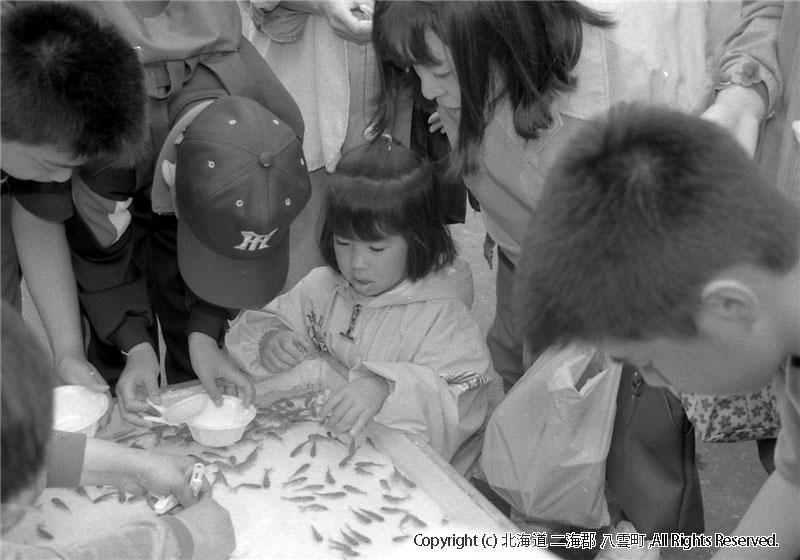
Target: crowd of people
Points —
{"points": [[249, 182]]}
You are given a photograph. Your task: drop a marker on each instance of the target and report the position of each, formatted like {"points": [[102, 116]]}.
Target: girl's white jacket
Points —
{"points": [[420, 336]]}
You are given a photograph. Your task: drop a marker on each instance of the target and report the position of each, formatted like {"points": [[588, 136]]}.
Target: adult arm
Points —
{"points": [[44, 257], [342, 15], [749, 80], [203, 530], [775, 509]]}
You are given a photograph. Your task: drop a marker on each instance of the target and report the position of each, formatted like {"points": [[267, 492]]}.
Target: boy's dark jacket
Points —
{"points": [[203, 47]]}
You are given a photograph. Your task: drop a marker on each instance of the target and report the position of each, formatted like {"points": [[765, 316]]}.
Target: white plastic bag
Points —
{"points": [[546, 444]]}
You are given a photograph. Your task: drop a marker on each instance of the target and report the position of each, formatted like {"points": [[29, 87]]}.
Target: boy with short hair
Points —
{"points": [[657, 239], [72, 93], [202, 530]]}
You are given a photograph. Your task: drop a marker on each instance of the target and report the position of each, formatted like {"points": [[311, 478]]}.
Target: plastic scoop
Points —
{"points": [[177, 413]]}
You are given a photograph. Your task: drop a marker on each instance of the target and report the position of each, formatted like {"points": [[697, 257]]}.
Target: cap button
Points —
{"points": [[265, 159]]}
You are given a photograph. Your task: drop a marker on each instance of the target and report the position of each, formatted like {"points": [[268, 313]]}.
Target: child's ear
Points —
{"points": [[731, 302]]}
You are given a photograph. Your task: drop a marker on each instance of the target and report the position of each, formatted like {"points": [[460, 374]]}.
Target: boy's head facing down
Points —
{"points": [[72, 91], [382, 222], [657, 238], [27, 414]]}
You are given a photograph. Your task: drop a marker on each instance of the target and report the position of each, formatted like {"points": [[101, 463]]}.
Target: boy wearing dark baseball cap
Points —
{"points": [[235, 177]]}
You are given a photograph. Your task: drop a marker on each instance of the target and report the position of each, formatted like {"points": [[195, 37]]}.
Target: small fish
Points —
{"points": [[159, 432], [395, 499], [397, 475], [393, 510], [311, 487], [363, 538], [221, 478], [131, 436], [103, 497], [362, 471], [60, 504], [401, 538], [224, 466], [329, 478], [348, 539], [44, 533], [372, 443], [354, 490], [314, 532], [350, 453], [136, 445], [298, 498], [232, 460], [198, 459], [212, 454], [385, 485], [314, 449], [250, 485], [297, 449], [367, 464], [295, 481], [303, 468], [265, 483], [332, 495], [361, 517], [270, 434], [372, 514], [81, 491], [249, 459], [313, 507], [414, 520], [341, 547]]}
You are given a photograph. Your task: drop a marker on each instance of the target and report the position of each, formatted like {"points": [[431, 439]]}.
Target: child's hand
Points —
{"points": [[137, 470], [138, 382], [76, 370], [352, 406], [160, 474], [216, 370], [281, 350]]}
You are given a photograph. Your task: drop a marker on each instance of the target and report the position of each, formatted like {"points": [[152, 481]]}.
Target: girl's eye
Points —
{"points": [[342, 242], [377, 249]]}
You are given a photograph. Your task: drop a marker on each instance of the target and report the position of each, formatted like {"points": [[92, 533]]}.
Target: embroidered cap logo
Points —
{"points": [[255, 241]]}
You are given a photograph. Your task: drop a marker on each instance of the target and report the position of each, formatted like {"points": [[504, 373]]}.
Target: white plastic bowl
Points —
{"points": [[211, 425], [77, 409]]}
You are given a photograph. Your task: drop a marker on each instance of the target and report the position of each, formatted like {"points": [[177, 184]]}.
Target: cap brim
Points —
{"points": [[232, 283]]}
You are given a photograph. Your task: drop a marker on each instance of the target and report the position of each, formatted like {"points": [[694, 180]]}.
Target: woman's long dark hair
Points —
{"points": [[525, 50]]}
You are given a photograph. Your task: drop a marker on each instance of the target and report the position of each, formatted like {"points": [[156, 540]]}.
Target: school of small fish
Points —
{"points": [[314, 486]]}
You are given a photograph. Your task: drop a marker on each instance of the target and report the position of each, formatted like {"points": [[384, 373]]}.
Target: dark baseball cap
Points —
{"points": [[240, 181]]}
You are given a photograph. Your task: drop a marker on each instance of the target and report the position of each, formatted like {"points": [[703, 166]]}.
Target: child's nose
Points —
{"points": [[359, 260]]}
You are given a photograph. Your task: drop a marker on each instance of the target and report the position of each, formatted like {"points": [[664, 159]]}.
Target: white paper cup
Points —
{"points": [[77, 409]]}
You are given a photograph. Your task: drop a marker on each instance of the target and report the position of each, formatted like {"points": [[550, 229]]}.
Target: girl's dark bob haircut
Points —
{"points": [[383, 188]]}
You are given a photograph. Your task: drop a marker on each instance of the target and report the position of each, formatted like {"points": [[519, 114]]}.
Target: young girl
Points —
{"points": [[392, 306]]}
